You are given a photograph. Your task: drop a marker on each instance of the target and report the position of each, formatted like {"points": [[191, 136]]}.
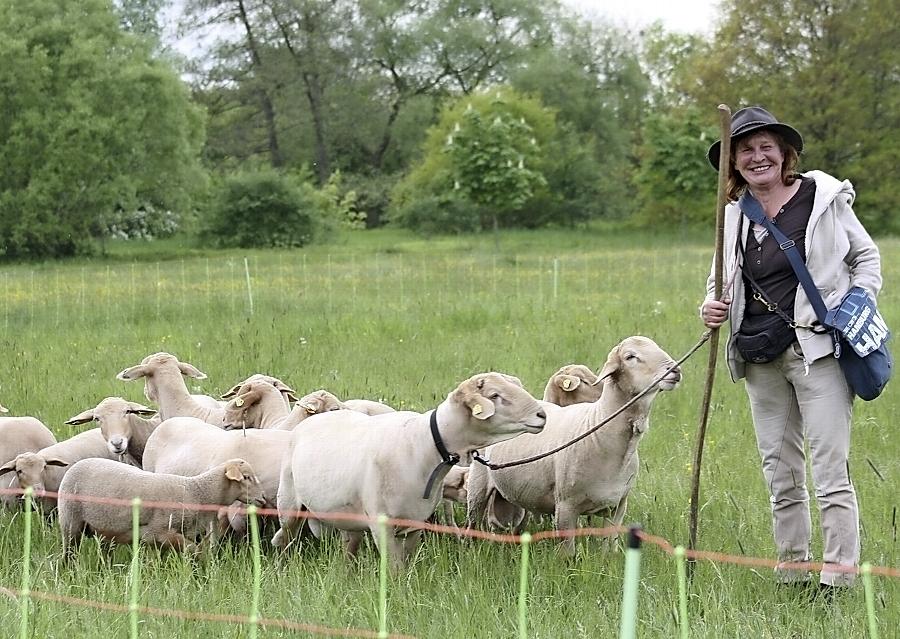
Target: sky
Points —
{"points": [[685, 16]]}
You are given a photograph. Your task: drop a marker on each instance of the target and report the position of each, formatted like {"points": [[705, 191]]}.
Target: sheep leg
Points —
{"points": [[289, 520], [615, 519], [477, 496], [566, 519], [394, 546], [352, 541]]}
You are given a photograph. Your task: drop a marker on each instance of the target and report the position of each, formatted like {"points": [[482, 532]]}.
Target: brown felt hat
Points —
{"points": [[751, 119]]}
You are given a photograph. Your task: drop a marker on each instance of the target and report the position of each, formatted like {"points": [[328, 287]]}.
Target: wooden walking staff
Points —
{"points": [[724, 159]]}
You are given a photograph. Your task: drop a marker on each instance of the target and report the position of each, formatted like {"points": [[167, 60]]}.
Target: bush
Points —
{"points": [[434, 214], [264, 209]]}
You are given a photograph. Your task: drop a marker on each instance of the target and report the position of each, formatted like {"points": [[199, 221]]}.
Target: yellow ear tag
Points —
{"points": [[477, 410], [566, 384], [239, 402], [310, 409]]}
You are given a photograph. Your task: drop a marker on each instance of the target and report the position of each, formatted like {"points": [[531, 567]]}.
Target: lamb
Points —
{"points": [[188, 446], [167, 527], [121, 424], [593, 476], [165, 386], [572, 384], [20, 435], [44, 470], [347, 462]]}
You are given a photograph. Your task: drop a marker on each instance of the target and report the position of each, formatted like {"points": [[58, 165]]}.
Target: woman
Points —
{"points": [[795, 385]]}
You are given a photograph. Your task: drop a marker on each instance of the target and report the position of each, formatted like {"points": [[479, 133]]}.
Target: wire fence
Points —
{"points": [[630, 586]]}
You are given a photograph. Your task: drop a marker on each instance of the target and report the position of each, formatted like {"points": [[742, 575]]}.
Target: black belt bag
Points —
{"points": [[762, 338]]}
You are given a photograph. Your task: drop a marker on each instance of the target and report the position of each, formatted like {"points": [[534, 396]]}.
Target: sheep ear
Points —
{"points": [[3, 409], [512, 379], [190, 371], [568, 382], [8, 467], [132, 373], [248, 398], [283, 388], [481, 407], [233, 472], [231, 392], [56, 461], [82, 418], [139, 409], [612, 365]]}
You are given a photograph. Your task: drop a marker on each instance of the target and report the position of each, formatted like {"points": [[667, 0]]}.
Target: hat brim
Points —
{"points": [[789, 133]]}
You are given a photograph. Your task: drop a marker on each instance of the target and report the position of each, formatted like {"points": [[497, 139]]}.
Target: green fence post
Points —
{"points": [[866, 570], [257, 580], [382, 586], [523, 587], [682, 591], [26, 567], [628, 627], [135, 564]]}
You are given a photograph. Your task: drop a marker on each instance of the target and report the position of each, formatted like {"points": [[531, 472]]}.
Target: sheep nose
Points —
{"points": [[542, 414]]}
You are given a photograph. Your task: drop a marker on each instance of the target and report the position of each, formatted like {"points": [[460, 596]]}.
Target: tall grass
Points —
{"points": [[391, 317]]}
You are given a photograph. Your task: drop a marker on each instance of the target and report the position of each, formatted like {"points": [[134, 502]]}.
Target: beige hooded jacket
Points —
{"points": [[840, 254]]}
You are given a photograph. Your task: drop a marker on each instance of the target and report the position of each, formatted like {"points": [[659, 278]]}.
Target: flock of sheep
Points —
{"points": [[328, 464]]}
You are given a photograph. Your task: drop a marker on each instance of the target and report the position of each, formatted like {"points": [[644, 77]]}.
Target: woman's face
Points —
{"points": [[759, 159]]}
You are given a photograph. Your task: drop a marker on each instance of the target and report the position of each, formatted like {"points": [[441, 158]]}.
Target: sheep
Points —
{"points": [[454, 492], [188, 446], [257, 406], [287, 393], [44, 470], [593, 476], [171, 527], [165, 386], [347, 462], [368, 406], [572, 384], [20, 435], [121, 424]]}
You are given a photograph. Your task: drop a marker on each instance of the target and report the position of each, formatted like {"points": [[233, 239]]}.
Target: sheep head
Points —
{"points": [[288, 393], [635, 362], [501, 408], [239, 473], [159, 365], [572, 384], [29, 469], [113, 415]]}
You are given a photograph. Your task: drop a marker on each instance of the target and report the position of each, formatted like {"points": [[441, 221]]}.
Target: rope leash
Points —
{"points": [[527, 460]]}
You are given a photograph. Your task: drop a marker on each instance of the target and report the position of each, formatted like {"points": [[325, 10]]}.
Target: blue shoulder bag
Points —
{"points": [[859, 331]]}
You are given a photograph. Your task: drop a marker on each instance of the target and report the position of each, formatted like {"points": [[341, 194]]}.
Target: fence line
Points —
{"points": [[630, 583]]}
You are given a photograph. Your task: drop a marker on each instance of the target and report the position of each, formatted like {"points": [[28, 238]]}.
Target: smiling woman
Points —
{"points": [[796, 388]]}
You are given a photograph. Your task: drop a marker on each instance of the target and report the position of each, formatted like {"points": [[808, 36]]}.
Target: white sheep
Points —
{"points": [[20, 435], [255, 404], [287, 393], [572, 384], [169, 527], [593, 476], [165, 386], [368, 406], [121, 424], [347, 462], [188, 446], [44, 470]]}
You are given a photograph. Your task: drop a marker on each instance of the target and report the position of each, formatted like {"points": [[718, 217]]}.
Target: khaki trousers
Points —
{"points": [[788, 404]]}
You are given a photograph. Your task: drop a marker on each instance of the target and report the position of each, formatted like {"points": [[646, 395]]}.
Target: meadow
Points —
{"points": [[385, 315]]}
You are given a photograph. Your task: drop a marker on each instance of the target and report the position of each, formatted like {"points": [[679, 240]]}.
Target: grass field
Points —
{"points": [[387, 316]]}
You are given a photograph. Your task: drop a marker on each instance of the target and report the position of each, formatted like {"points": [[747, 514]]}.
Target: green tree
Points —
{"points": [[90, 125], [830, 68]]}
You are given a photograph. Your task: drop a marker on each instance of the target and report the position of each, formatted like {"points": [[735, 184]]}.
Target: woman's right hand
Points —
{"points": [[715, 312]]}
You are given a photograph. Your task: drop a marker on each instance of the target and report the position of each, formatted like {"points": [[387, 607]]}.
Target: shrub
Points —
{"points": [[263, 209], [434, 214]]}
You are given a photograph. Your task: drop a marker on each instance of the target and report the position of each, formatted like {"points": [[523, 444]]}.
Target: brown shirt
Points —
{"points": [[766, 261]]}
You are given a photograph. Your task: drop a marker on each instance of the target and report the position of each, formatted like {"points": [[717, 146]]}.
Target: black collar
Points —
{"points": [[447, 458]]}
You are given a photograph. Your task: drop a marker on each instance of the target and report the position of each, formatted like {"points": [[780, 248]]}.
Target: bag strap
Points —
{"points": [[752, 209]]}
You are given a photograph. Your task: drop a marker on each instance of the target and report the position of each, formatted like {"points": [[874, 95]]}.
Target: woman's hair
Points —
{"points": [[735, 184]]}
